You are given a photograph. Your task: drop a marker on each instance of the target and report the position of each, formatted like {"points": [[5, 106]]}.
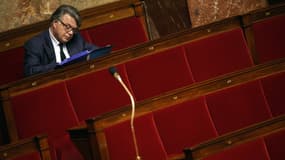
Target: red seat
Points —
{"points": [[238, 107], [275, 145], [47, 110], [253, 150], [97, 93], [120, 34], [120, 143], [269, 37], [11, 65], [184, 125], [218, 54], [152, 75], [274, 90]]}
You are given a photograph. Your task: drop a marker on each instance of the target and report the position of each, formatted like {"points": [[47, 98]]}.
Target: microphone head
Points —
{"points": [[113, 70]]}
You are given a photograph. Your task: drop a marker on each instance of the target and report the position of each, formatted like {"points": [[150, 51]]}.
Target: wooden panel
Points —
{"points": [[166, 17]]}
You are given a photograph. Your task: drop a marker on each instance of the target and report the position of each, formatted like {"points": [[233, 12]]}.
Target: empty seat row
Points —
{"points": [[190, 123], [67, 103]]}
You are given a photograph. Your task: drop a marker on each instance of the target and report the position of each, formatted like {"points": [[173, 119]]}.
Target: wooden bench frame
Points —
{"points": [[26, 146]]}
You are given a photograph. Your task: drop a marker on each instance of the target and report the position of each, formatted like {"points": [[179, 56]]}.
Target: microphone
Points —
{"points": [[114, 72], [117, 76]]}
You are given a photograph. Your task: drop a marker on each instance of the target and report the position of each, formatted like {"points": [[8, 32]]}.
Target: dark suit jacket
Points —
{"points": [[40, 55]]}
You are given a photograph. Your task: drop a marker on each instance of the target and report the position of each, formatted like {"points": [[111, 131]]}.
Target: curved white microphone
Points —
{"points": [[114, 72]]}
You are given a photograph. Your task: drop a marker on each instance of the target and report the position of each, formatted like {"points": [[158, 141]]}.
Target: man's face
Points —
{"points": [[64, 28]]}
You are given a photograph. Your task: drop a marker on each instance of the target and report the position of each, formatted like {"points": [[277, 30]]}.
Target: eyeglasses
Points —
{"points": [[67, 27]]}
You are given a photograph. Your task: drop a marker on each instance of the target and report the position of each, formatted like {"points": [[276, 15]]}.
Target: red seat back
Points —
{"points": [[238, 107], [97, 93], [152, 75], [120, 143], [275, 145], [120, 34], [184, 125], [269, 37], [11, 65], [47, 110], [274, 90], [218, 54]]}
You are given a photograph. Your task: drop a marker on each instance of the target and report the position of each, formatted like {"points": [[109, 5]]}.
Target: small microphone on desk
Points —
{"points": [[117, 76]]}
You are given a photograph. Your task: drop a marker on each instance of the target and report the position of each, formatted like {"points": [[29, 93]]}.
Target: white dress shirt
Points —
{"points": [[56, 47]]}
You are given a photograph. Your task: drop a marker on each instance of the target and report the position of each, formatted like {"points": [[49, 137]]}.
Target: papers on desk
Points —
{"points": [[86, 55]]}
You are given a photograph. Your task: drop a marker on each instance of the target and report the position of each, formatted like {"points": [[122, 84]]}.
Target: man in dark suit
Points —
{"points": [[60, 41]]}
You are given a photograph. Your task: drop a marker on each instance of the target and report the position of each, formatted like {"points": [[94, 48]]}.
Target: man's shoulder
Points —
{"points": [[38, 39]]}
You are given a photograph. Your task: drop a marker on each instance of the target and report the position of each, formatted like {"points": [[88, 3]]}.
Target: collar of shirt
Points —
{"points": [[56, 47]]}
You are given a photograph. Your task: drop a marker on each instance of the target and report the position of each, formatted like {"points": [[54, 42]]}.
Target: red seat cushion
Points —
{"points": [[218, 54], [184, 125], [152, 75], [120, 143], [269, 36], [238, 107]]}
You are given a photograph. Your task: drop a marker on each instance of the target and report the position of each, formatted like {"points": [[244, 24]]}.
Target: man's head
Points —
{"points": [[65, 22]]}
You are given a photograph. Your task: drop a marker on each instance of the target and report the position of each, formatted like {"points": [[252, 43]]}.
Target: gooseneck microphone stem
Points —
{"points": [[118, 77]]}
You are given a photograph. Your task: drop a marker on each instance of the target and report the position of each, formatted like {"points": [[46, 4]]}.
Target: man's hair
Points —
{"points": [[66, 9]]}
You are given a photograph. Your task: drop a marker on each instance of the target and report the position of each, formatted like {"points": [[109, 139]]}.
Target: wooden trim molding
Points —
{"points": [[18, 148]]}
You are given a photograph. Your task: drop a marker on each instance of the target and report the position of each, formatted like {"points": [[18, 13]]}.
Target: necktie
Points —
{"points": [[62, 56]]}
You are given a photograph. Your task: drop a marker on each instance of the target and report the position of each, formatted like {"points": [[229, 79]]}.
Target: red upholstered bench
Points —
{"points": [[47, 110]]}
